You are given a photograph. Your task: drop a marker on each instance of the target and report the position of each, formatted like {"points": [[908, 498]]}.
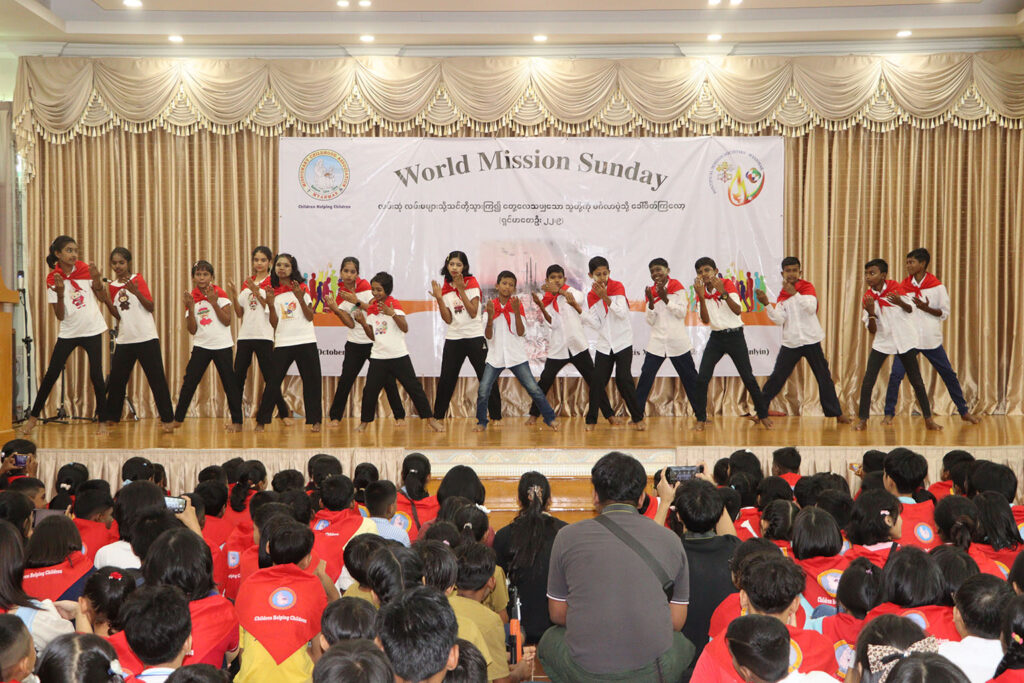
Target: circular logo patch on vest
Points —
{"points": [[829, 580], [924, 533], [282, 598], [402, 520], [918, 618], [844, 657], [796, 656], [234, 558], [321, 525]]}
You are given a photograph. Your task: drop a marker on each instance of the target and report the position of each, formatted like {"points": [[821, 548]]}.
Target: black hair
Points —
{"points": [[990, 476], [250, 474], [288, 480], [137, 468], [386, 282], [472, 667], [554, 268], [289, 543], [12, 566], [744, 484], [77, 658], [417, 631], [380, 495], [336, 493], [860, 587], [959, 474], [89, 503], [873, 460], [888, 629], [180, 558], [815, 533], [698, 506], [882, 266], [807, 488], [596, 263], [363, 475], [354, 661], [20, 446], [392, 570], [920, 667], [472, 523], [300, 503], [160, 475], [157, 623], [214, 495], [132, 502], [231, 468], [198, 507], [760, 643], [790, 261], [476, 566], [952, 458], [955, 567], [980, 601], [348, 619], [839, 504], [55, 247], [956, 520], [906, 468], [15, 643], [461, 255], [296, 275], [920, 254], [618, 478], [357, 555], [867, 521], [731, 500], [51, 542], [70, 478], [415, 472], [107, 589], [16, 508], [440, 565], [705, 261], [995, 522], [214, 473], [266, 252], [744, 460], [199, 673], [527, 529], [777, 520], [202, 265], [657, 262], [771, 582], [771, 489], [787, 458], [349, 259], [321, 466], [720, 472], [746, 550], [450, 506], [506, 274], [462, 480], [872, 481], [911, 578], [446, 532], [148, 528], [1012, 635], [27, 485]]}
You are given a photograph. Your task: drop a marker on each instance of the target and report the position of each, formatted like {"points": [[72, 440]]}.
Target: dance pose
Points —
{"points": [[932, 303], [354, 295], [796, 310], [255, 334], [720, 309], [888, 316], [291, 314], [137, 340], [506, 349], [567, 343], [666, 314], [208, 317], [458, 301], [384, 322], [74, 289], [608, 313]]}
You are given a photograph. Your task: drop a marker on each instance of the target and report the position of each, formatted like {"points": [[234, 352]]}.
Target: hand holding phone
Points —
{"points": [[175, 504]]}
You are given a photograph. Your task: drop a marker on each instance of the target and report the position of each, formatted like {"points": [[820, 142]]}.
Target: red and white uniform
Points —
{"points": [[933, 292], [356, 335], [567, 337], [611, 321], [895, 329], [919, 525], [211, 333], [388, 338], [720, 316], [505, 348], [669, 335], [137, 324], [462, 325], [292, 326], [82, 315], [255, 313], [798, 316], [808, 651]]}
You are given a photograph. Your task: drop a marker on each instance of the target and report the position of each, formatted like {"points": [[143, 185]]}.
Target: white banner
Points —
{"points": [[520, 204]]}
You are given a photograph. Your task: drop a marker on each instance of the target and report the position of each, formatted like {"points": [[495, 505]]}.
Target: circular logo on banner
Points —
{"points": [[321, 525], [740, 175], [924, 532], [829, 580], [233, 558], [324, 174], [796, 657], [282, 598]]}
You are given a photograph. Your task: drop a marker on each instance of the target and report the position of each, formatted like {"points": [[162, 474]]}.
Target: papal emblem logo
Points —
{"points": [[741, 173], [324, 174]]}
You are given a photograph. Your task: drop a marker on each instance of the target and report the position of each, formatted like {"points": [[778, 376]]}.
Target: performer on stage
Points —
{"points": [[255, 334], [291, 314], [720, 309], [137, 340], [931, 300], [354, 295], [796, 310], [458, 301], [74, 289], [567, 343], [667, 305], [384, 322], [888, 316], [506, 349], [608, 313], [208, 317]]}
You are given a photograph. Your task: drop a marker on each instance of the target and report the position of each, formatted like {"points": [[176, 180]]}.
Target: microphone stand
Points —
{"points": [[26, 341], [112, 345]]}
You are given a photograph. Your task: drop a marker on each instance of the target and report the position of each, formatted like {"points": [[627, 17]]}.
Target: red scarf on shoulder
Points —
{"points": [[283, 289], [374, 307], [80, 272], [715, 295], [615, 288], [891, 287], [549, 298], [671, 287], [281, 607], [470, 282], [199, 296], [915, 290], [802, 287], [361, 286], [507, 310], [49, 583]]}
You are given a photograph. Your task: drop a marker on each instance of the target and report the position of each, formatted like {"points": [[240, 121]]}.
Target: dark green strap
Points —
{"points": [[667, 584]]}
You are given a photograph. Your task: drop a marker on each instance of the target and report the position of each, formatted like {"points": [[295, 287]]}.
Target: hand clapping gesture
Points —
{"points": [[435, 289], [58, 283], [762, 296], [698, 286]]}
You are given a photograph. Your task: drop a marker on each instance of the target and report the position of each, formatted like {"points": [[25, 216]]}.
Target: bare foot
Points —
{"points": [[334, 423], [362, 426], [400, 423], [590, 428], [640, 426], [287, 421], [479, 427], [970, 418], [532, 420], [27, 426], [553, 425], [232, 427], [176, 425], [860, 425], [616, 420], [767, 423], [495, 424], [887, 420], [167, 427], [436, 425], [315, 428], [844, 419], [260, 428], [932, 425], [103, 429], [699, 427]]}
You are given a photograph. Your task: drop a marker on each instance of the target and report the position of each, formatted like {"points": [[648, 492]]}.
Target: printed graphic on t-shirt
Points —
{"points": [[380, 327], [123, 302], [459, 306], [288, 310], [203, 313], [78, 300], [252, 303]]}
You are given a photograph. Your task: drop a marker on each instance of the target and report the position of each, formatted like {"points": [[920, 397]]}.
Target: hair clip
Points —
{"points": [[115, 668], [1017, 638], [868, 572], [412, 471], [116, 576], [883, 512]]}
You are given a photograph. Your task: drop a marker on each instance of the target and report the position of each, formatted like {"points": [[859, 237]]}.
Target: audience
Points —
{"points": [[354, 661], [158, 629], [978, 613]]}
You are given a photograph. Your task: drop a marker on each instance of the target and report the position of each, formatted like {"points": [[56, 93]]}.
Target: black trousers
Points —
{"points": [[622, 362], [732, 343], [584, 364], [683, 363], [194, 371], [263, 349], [400, 369], [307, 359], [787, 360], [356, 356], [455, 353], [909, 360], [122, 363], [93, 347]]}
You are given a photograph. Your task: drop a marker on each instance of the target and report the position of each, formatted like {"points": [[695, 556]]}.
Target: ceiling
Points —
{"points": [[456, 27]]}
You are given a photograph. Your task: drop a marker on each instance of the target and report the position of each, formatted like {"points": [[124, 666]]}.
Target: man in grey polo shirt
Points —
{"points": [[613, 620]]}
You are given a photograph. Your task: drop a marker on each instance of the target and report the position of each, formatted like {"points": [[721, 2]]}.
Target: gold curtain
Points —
{"points": [[851, 195]]}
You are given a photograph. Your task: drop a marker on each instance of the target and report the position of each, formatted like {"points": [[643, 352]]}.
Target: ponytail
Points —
{"points": [[962, 531], [528, 537], [778, 515], [472, 524], [415, 472], [250, 475], [56, 246], [1012, 636]]}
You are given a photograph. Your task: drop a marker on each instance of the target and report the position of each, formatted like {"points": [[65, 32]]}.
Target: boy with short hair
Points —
{"points": [[760, 649], [978, 615], [786, 464], [567, 343], [720, 308], [158, 627], [931, 308], [34, 489], [357, 558], [381, 498], [608, 313], [507, 349], [944, 486], [337, 522], [904, 473], [17, 652], [417, 631], [796, 311], [667, 305]]}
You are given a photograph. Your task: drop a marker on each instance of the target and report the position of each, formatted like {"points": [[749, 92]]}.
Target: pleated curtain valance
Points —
{"points": [[58, 98]]}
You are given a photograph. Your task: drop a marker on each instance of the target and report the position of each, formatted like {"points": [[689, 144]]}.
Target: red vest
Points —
{"points": [[49, 583], [876, 557], [730, 609], [1009, 676], [934, 619], [426, 511], [808, 651], [791, 478], [919, 525], [216, 531], [822, 578], [331, 531], [748, 524], [1003, 558], [941, 489], [842, 630], [281, 607], [94, 535], [240, 540]]}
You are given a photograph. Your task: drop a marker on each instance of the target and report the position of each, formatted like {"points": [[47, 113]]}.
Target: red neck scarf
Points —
{"points": [[374, 307], [615, 288], [507, 310], [671, 287], [80, 272], [198, 296], [891, 287], [282, 289], [49, 583], [714, 295], [361, 286], [802, 287], [550, 298], [281, 608], [915, 290], [470, 281], [213, 620]]}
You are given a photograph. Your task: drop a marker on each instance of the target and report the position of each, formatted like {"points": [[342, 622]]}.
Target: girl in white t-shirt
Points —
{"points": [[255, 334], [354, 295], [384, 323], [291, 314], [137, 340], [75, 291], [458, 301], [208, 317]]}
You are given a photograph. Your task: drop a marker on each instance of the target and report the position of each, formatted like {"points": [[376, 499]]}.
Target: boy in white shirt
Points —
{"points": [[931, 301], [978, 616], [887, 316], [506, 349], [796, 311], [567, 343]]}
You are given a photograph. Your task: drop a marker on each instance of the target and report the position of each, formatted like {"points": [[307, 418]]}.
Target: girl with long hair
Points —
{"points": [[415, 507]]}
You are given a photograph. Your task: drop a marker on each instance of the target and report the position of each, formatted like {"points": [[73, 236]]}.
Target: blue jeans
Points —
{"points": [[525, 376], [940, 361]]}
